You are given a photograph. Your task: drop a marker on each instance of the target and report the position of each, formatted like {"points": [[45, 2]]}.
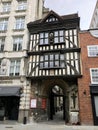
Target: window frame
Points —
{"points": [[15, 67], [2, 43], [92, 76], [93, 51], [17, 43], [6, 7], [22, 5], [3, 24], [51, 38], [20, 23], [43, 37], [52, 61], [59, 36]]}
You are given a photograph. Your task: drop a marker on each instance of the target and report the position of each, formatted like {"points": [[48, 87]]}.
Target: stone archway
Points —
{"points": [[53, 105]]}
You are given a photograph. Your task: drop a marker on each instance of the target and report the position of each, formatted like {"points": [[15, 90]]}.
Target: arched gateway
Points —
{"points": [[55, 100], [56, 93]]}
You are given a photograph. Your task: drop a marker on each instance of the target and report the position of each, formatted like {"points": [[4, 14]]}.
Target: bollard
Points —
{"points": [[24, 120]]}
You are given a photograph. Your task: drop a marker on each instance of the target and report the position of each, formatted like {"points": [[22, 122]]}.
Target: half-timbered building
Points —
{"points": [[54, 66]]}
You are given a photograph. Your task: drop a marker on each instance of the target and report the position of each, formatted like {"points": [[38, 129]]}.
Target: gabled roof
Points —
{"points": [[53, 20], [53, 14]]}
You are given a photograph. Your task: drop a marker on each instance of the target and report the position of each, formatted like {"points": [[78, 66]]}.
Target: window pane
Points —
{"points": [[56, 57], [51, 57], [41, 58], [46, 64], [56, 63], [41, 42], [56, 33], [62, 57], [46, 41], [56, 40], [51, 64], [46, 57], [41, 35], [41, 65], [46, 34], [61, 33], [62, 64], [61, 39]]}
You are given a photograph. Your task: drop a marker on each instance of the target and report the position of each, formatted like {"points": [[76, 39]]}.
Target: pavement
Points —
{"points": [[56, 124], [48, 125]]}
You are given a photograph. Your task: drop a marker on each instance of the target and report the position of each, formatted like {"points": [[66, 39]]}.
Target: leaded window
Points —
{"points": [[59, 36], [52, 61], [52, 37], [52, 19], [44, 38]]}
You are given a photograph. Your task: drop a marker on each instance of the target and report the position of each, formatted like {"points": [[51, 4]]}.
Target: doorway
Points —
{"points": [[10, 107], [57, 103], [95, 108]]}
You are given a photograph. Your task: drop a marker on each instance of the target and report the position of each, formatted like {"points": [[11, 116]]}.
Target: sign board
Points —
{"points": [[43, 106], [33, 103]]}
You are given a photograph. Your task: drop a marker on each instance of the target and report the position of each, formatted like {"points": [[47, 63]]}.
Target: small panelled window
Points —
{"points": [[94, 75], [3, 24], [44, 38], [59, 36], [52, 61], [6, 7], [17, 43], [92, 50], [20, 23], [14, 67], [52, 19], [2, 41], [52, 37], [22, 5]]}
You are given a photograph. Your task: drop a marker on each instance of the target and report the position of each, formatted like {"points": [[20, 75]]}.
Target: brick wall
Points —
{"points": [[85, 106]]}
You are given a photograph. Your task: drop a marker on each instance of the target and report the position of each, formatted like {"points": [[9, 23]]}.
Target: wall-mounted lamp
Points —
{"points": [[84, 92]]}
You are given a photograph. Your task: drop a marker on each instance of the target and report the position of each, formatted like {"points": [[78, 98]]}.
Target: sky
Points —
{"points": [[84, 8]]}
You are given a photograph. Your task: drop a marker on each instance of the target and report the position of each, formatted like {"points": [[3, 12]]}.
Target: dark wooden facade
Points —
{"points": [[53, 47]]}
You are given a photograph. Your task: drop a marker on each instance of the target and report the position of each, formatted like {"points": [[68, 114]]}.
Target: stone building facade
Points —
{"points": [[14, 16]]}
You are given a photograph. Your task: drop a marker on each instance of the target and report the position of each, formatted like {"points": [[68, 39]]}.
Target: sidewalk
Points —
{"points": [[43, 126]]}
